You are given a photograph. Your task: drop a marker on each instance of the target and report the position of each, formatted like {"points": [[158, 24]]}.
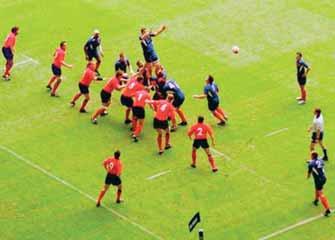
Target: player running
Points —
{"points": [[317, 130], [164, 111], [93, 49], [123, 64], [84, 84], [149, 52], [113, 84], [8, 50], [211, 91], [56, 67], [200, 132], [113, 166], [133, 85], [140, 99], [316, 168], [302, 71]]}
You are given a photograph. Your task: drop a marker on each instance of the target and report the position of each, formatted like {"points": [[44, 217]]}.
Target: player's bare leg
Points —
{"points": [[99, 112], [55, 87], [182, 117], [194, 157], [138, 129], [303, 94], [75, 98], [118, 194], [8, 67], [51, 81], [219, 116], [101, 194], [211, 160], [222, 112], [98, 63], [174, 125], [167, 139], [160, 141], [84, 103]]}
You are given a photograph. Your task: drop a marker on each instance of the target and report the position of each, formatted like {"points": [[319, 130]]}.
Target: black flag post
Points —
{"points": [[193, 222]]}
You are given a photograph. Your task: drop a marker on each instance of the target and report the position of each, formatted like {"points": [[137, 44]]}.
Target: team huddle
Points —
{"points": [[151, 87]]}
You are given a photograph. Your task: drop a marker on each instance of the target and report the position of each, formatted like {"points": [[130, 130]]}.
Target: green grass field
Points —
{"points": [[260, 190]]}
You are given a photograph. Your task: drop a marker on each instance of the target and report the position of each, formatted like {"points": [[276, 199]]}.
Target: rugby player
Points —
{"points": [[302, 72], [93, 49], [123, 64], [8, 50]]}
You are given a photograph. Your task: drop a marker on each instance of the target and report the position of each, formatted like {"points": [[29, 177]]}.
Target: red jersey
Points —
{"points": [[164, 110], [10, 41], [113, 166], [59, 57], [140, 97], [200, 131], [87, 77], [132, 87], [111, 85]]}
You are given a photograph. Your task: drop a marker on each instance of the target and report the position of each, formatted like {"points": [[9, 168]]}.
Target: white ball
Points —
{"points": [[235, 49]]}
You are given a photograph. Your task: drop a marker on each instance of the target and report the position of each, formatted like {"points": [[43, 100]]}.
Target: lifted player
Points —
{"points": [[8, 50], [113, 166], [93, 49], [200, 132], [316, 168], [302, 71], [56, 67], [211, 93], [84, 84], [317, 130], [113, 84]]}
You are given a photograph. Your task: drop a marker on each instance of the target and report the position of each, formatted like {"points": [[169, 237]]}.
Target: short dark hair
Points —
{"points": [[15, 29], [119, 73], [210, 79], [317, 111], [201, 119], [314, 155], [62, 43], [143, 30], [140, 78], [299, 54], [117, 154]]}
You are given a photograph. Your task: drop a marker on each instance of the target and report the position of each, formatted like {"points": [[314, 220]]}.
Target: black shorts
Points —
{"points": [[178, 101], [93, 54], [83, 89], [150, 57], [56, 70], [302, 81], [158, 124], [319, 183], [200, 143], [213, 105], [315, 139], [139, 112], [7, 53], [126, 101], [112, 179], [105, 96]]}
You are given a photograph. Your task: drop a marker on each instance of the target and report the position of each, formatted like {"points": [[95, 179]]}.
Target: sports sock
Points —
{"points": [[211, 161], [9, 65], [159, 141], [118, 195], [167, 139], [52, 79], [139, 128], [194, 156], [181, 115], [317, 195], [324, 201], [55, 87], [218, 115], [127, 113], [98, 113], [83, 105], [303, 93], [101, 195], [134, 124], [221, 111], [325, 152], [76, 97]]}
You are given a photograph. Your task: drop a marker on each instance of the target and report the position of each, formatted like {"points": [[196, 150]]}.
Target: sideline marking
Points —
{"points": [[221, 154], [276, 132], [69, 185], [27, 60], [158, 175]]}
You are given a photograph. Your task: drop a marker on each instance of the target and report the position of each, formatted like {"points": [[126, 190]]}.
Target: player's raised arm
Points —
{"points": [[158, 31]]}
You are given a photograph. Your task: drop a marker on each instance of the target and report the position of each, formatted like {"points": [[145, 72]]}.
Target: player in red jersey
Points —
{"points": [[200, 132], [8, 50], [164, 111], [113, 166], [113, 84], [58, 62], [84, 83], [133, 85], [140, 99]]}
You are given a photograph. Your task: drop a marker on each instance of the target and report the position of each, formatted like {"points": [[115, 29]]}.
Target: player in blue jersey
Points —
{"points": [[211, 91], [302, 71], [123, 64], [316, 168], [93, 49], [150, 56], [171, 86]]}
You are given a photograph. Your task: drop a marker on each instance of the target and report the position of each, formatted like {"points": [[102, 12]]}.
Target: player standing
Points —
{"points": [[123, 64], [113, 166], [211, 91], [93, 49], [149, 52], [113, 84], [84, 83], [200, 132], [140, 99], [56, 67], [317, 130], [8, 50], [316, 168], [302, 71]]}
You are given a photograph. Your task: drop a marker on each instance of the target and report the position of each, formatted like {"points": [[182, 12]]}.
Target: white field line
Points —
{"points": [[26, 61], [31, 59], [289, 228], [158, 175], [276, 132], [74, 188], [221, 154]]}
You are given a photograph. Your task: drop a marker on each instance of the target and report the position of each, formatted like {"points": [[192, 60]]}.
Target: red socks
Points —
{"points": [[76, 97], [194, 156], [218, 115], [101, 195], [323, 200], [159, 141], [127, 113], [212, 162], [138, 129], [220, 110], [52, 79], [303, 93], [98, 113], [167, 139], [83, 105], [9, 65], [55, 87]]}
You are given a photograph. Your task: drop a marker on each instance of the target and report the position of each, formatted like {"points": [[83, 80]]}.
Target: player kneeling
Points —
{"points": [[113, 166], [200, 132]]}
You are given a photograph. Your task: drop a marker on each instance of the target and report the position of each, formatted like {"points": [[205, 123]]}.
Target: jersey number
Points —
{"points": [[163, 107], [200, 131]]}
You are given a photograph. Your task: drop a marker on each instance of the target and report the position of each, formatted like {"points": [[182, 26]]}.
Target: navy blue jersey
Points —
{"points": [[172, 86], [147, 44], [122, 65], [316, 167], [301, 68], [211, 91], [92, 44]]}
